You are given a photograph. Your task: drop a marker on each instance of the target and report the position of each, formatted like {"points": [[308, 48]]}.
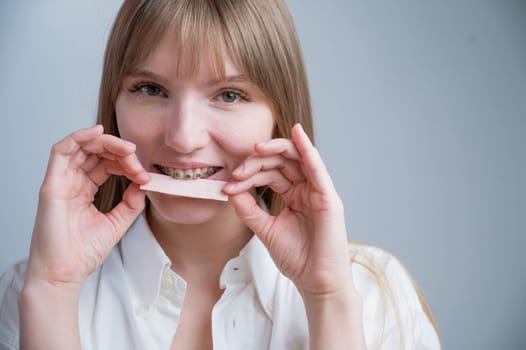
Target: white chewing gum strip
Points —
{"points": [[201, 188]]}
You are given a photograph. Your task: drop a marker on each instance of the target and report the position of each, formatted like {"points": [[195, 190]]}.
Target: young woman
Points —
{"points": [[213, 89]]}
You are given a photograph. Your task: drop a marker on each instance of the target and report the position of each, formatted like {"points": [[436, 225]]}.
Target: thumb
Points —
{"points": [[125, 213], [258, 220]]}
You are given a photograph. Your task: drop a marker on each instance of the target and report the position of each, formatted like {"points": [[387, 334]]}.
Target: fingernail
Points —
{"points": [[304, 134], [229, 187], [239, 169], [143, 178], [146, 176], [262, 143], [135, 161], [300, 127]]}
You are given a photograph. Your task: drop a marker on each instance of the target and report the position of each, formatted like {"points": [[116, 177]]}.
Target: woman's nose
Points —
{"points": [[186, 129]]}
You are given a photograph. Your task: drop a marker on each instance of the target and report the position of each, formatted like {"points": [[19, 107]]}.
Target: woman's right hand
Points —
{"points": [[71, 237]]}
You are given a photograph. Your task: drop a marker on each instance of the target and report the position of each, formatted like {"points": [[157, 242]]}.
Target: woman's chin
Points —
{"points": [[184, 210]]}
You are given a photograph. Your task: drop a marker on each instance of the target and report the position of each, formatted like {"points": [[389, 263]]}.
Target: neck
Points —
{"points": [[199, 252]]}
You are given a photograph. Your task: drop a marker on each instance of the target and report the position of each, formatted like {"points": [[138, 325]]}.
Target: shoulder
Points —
{"points": [[373, 264], [382, 280], [11, 283], [395, 313], [13, 277], [380, 257]]}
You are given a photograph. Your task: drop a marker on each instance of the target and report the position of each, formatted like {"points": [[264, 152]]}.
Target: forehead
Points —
{"points": [[194, 58]]}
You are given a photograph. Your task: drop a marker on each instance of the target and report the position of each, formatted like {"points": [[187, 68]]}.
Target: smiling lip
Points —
{"points": [[172, 168], [188, 165]]}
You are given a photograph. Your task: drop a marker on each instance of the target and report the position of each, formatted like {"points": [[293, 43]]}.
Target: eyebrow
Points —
{"points": [[241, 78], [146, 74]]}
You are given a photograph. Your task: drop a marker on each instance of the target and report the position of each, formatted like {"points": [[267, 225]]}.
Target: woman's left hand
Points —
{"points": [[307, 240]]}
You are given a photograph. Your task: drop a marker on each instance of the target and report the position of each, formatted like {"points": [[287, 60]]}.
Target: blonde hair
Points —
{"points": [[375, 261], [258, 35]]}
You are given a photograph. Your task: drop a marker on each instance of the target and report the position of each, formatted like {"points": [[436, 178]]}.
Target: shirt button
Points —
{"points": [[167, 282], [270, 308], [140, 310]]}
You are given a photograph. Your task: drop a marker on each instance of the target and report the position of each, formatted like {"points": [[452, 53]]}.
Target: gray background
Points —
{"points": [[420, 113]]}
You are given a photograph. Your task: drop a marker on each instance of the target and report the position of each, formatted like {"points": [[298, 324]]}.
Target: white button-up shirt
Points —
{"points": [[134, 301]]}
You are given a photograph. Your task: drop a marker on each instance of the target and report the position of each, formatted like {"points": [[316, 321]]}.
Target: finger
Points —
{"points": [[72, 143], [281, 146], [313, 165], [74, 149], [90, 162], [62, 151], [258, 220], [99, 174], [133, 169], [113, 148], [291, 169], [271, 178], [125, 213], [85, 160], [77, 159], [108, 155], [109, 144]]}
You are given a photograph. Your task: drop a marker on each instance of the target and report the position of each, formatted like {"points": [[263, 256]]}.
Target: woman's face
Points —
{"points": [[193, 127]]}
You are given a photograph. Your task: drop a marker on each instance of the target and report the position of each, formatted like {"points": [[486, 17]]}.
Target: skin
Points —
{"points": [[179, 122], [166, 120], [70, 237]]}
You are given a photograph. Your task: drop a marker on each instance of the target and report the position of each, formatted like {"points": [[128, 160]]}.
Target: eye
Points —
{"points": [[147, 89], [232, 96], [229, 96]]}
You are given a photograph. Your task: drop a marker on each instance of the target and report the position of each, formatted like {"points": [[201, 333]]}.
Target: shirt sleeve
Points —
{"points": [[393, 315], [11, 283]]}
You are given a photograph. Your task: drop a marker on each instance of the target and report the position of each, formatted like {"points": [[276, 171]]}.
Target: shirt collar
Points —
{"points": [[265, 274], [144, 262]]}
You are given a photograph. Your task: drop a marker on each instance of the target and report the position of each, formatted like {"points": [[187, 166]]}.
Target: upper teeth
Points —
{"points": [[187, 174]]}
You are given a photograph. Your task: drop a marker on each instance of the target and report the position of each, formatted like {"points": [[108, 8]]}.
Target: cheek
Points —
{"points": [[134, 127], [123, 115], [240, 134]]}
